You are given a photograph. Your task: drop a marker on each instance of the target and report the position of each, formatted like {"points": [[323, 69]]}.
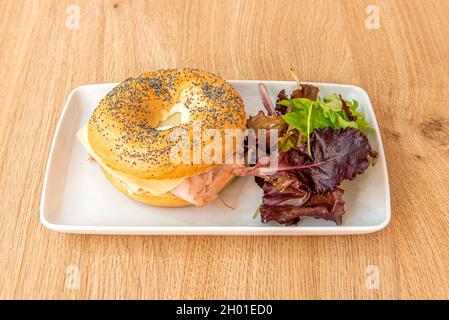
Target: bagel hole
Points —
{"points": [[177, 115], [172, 121]]}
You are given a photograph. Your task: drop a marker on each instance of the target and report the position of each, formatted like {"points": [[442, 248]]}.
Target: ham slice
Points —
{"points": [[202, 189]]}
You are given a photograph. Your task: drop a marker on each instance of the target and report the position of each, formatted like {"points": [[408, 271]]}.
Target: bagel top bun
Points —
{"points": [[125, 131]]}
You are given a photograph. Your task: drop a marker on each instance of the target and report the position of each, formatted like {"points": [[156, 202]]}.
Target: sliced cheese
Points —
{"points": [[135, 185]]}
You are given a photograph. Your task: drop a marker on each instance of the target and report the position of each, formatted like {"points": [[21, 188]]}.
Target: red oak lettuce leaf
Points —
{"points": [[328, 206], [287, 196], [283, 180], [306, 91], [280, 109], [337, 155], [267, 122], [295, 194], [303, 185], [346, 109]]}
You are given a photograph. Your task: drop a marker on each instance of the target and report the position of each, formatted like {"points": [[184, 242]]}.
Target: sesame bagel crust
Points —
{"points": [[122, 129]]}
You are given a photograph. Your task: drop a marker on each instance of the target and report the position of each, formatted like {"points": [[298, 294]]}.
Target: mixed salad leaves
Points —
{"points": [[323, 141]]}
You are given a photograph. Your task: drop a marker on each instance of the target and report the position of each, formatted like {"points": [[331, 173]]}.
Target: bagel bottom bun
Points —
{"points": [[164, 200]]}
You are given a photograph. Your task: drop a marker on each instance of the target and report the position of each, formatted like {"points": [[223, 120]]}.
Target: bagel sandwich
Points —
{"points": [[130, 135]]}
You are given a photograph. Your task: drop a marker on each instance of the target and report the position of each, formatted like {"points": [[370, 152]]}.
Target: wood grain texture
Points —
{"points": [[403, 66]]}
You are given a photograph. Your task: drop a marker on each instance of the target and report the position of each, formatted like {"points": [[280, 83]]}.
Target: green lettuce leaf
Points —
{"points": [[333, 102], [307, 115]]}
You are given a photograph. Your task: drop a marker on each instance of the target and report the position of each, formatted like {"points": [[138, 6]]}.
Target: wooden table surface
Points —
{"points": [[403, 63]]}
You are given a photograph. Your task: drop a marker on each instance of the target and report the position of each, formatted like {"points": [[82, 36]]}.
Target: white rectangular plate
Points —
{"points": [[77, 198]]}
